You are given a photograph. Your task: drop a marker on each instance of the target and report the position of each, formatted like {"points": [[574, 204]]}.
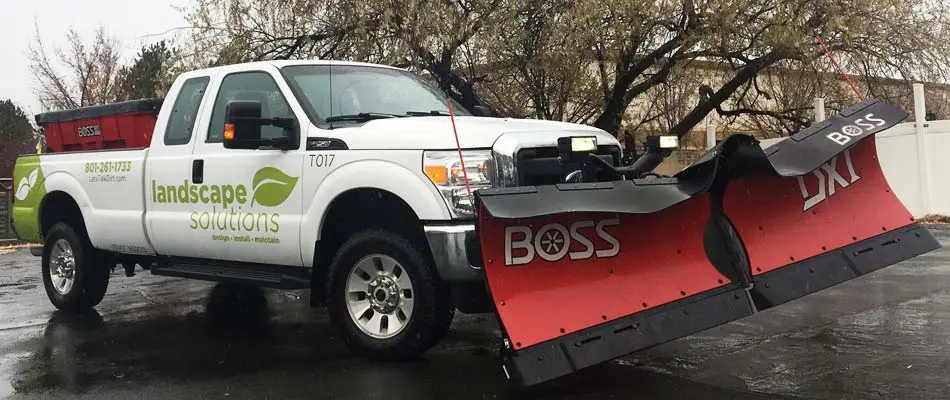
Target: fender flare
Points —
{"points": [[412, 187], [61, 181]]}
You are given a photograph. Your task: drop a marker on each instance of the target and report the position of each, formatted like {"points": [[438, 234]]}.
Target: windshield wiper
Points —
{"points": [[425, 113], [359, 117]]}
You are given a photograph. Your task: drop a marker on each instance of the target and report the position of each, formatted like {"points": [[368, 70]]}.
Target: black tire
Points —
{"points": [[432, 311], [91, 275]]}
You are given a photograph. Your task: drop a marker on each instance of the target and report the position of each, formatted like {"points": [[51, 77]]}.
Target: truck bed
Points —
{"points": [[123, 125], [108, 187]]}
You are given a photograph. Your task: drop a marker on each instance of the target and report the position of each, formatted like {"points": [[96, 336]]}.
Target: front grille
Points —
{"points": [[542, 166]]}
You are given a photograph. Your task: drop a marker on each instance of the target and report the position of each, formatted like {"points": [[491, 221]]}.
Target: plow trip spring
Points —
{"points": [[583, 273]]}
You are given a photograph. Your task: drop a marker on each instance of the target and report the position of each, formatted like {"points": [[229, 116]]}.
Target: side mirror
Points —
{"points": [[242, 127], [482, 111]]}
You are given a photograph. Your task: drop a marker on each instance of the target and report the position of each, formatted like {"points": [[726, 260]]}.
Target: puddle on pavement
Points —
{"points": [[235, 332]]}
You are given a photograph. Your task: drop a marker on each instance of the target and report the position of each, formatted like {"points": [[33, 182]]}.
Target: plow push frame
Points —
{"points": [[582, 273]]}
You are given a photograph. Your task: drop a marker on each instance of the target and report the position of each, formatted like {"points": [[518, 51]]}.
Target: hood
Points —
{"points": [[435, 133]]}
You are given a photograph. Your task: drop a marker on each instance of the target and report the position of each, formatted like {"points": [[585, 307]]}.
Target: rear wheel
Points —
{"points": [[73, 275], [385, 298]]}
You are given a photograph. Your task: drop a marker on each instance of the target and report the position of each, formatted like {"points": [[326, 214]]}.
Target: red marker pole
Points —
{"points": [[458, 145], [838, 67]]}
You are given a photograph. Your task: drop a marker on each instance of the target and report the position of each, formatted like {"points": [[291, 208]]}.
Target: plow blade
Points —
{"points": [[583, 273], [579, 288], [817, 218]]}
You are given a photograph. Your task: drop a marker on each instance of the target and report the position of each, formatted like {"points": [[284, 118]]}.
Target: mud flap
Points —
{"points": [[580, 274]]}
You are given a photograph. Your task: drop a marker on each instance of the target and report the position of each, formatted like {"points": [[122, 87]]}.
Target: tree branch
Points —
{"points": [[748, 72]]}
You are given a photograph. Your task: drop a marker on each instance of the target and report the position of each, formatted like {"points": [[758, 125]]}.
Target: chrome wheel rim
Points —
{"points": [[62, 266], [379, 296]]}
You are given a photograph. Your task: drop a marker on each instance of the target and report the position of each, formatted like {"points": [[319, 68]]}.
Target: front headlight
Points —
{"points": [[445, 171]]}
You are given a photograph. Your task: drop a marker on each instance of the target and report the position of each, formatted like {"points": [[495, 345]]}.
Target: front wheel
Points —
{"points": [[386, 300]]}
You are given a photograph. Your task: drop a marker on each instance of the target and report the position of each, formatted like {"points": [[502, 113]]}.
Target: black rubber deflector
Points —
{"points": [[840, 265], [604, 342]]}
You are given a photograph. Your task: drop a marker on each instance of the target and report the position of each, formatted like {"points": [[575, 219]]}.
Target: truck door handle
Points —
{"points": [[198, 171]]}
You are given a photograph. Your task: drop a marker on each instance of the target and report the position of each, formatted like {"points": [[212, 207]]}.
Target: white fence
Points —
{"points": [[915, 160], [916, 164]]}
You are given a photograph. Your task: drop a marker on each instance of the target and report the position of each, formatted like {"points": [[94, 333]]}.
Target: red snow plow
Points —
{"points": [[584, 272]]}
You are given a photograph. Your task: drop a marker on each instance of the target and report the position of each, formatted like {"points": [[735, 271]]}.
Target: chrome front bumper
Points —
{"points": [[448, 250]]}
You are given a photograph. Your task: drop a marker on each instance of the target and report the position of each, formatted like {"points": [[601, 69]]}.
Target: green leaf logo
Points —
{"points": [[272, 187], [26, 185]]}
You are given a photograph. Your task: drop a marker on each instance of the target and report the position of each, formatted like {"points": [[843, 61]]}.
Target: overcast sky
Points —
{"points": [[132, 23]]}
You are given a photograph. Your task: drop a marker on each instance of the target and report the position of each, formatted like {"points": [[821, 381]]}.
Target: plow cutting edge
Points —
{"points": [[583, 273]]}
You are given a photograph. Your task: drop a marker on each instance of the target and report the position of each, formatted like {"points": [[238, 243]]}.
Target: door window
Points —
{"points": [[185, 111]]}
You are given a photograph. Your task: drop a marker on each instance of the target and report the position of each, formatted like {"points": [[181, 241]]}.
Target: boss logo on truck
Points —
{"points": [[552, 242], [89, 130], [858, 128]]}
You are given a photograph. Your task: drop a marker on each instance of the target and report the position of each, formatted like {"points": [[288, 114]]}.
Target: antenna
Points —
{"points": [[838, 67], [458, 145]]}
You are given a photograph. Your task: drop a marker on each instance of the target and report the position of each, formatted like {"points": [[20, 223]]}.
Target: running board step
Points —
{"points": [[271, 276]]}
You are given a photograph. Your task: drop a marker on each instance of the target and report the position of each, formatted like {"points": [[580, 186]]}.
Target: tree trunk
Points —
{"points": [[460, 89], [621, 95]]}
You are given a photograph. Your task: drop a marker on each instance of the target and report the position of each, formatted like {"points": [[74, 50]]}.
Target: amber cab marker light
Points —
{"points": [[228, 131], [437, 173]]}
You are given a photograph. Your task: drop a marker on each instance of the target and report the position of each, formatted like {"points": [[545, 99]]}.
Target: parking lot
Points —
{"points": [[885, 335]]}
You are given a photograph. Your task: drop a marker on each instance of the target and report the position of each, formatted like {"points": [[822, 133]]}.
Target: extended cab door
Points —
{"points": [[168, 166], [249, 202]]}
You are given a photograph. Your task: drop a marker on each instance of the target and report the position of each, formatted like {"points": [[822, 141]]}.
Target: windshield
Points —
{"points": [[352, 90]]}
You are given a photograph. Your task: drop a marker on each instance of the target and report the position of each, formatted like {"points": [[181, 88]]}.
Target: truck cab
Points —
{"points": [[343, 178]]}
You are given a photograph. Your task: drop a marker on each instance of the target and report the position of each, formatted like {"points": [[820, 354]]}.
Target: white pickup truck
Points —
{"points": [[342, 178]]}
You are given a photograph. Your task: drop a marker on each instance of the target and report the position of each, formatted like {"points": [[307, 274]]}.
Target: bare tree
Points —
{"points": [[590, 61], [431, 37], [908, 42], [85, 75], [233, 31]]}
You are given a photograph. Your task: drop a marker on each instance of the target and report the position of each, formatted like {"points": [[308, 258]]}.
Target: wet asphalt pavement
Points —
{"points": [[884, 335]]}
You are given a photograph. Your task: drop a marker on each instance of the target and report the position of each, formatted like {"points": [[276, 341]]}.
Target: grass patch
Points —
{"points": [[935, 219], [12, 247]]}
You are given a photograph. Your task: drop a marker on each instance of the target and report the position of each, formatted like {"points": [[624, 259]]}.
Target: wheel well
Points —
{"points": [[60, 207], [356, 210]]}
